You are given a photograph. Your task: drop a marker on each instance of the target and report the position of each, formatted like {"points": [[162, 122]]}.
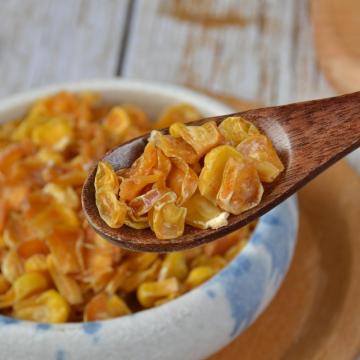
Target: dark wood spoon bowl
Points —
{"points": [[308, 136]]}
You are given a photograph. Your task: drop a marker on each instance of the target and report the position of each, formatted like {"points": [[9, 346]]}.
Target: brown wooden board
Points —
{"points": [[316, 313], [337, 39]]}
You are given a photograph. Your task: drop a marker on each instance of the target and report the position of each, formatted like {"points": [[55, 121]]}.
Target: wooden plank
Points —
{"points": [[257, 50], [48, 41]]}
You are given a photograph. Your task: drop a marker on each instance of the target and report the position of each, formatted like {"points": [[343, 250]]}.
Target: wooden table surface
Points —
{"points": [[258, 50]]}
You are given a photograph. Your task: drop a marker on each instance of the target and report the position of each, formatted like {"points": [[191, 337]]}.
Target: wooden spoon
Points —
{"points": [[308, 136]]}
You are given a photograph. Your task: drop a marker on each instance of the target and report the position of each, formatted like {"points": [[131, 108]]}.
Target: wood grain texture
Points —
{"points": [[49, 41], [256, 50], [337, 38], [308, 136]]}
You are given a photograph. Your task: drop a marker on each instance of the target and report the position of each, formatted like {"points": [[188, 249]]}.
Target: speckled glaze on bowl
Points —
{"points": [[196, 324]]}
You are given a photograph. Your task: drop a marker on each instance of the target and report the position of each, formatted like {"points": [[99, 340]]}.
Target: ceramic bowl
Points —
{"points": [[196, 324]]}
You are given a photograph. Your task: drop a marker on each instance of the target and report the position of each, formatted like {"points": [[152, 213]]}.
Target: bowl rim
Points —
{"points": [[100, 86], [163, 89]]}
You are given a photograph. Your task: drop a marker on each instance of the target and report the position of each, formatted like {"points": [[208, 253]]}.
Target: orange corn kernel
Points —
{"points": [[182, 180], [236, 129], [32, 247], [183, 113], [173, 147], [62, 244], [201, 138], [211, 175], [260, 149], [240, 189], [103, 306], [47, 307], [166, 219]]}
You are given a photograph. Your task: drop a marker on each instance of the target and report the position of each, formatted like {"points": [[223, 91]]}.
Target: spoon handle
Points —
{"points": [[311, 135]]}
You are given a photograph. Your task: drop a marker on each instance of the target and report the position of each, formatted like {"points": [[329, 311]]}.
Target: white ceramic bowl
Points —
{"points": [[198, 323]]}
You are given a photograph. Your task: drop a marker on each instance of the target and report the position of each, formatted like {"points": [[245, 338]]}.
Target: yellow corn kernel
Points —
{"points": [[55, 132], [141, 261], [4, 284], [117, 279], [11, 266], [235, 129], [177, 113], [48, 307], [102, 307], [150, 292], [215, 262], [132, 281], [49, 157], [66, 285], [29, 284], [36, 262], [117, 306], [65, 195], [198, 276], [174, 265], [7, 299], [165, 300], [117, 124]]}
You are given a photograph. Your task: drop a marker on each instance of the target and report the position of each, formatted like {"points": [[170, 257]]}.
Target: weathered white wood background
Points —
{"points": [[257, 50]]}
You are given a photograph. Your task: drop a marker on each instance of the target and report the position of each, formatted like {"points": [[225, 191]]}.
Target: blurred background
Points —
{"points": [[261, 51]]}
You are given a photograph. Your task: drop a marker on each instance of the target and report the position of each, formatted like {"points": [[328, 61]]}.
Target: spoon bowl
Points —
{"points": [[308, 137]]}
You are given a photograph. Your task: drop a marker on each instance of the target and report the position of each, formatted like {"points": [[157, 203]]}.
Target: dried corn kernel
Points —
{"points": [[220, 246], [202, 214], [260, 149], [173, 147], [103, 306], [117, 124], [134, 279], [4, 285], [131, 188], [199, 275], [174, 265], [67, 286], [215, 262], [7, 299], [235, 129], [182, 180], [62, 245], [142, 204], [29, 284], [211, 175], [240, 188], [137, 117], [48, 307], [150, 292], [166, 219], [65, 195], [111, 210], [202, 138], [106, 177], [29, 248], [140, 261], [36, 262], [117, 279], [11, 266], [177, 113], [56, 133]]}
